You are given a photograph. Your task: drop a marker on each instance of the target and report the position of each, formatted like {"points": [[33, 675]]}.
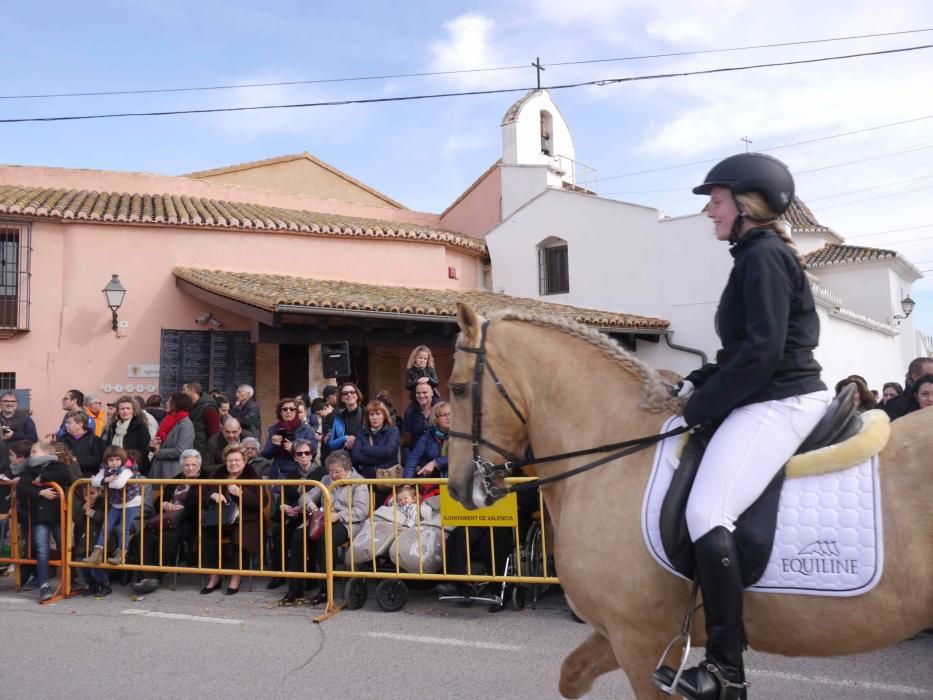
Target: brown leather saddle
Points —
{"points": [[755, 528]]}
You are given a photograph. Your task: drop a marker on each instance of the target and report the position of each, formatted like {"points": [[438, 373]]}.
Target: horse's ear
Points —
{"points": [[468, 320]]}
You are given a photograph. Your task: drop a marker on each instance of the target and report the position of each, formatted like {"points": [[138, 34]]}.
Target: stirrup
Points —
{"points": [[662, 672]]}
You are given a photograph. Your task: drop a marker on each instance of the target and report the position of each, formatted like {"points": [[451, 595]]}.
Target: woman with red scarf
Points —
{"points": [[280, 441], [175, 435]]}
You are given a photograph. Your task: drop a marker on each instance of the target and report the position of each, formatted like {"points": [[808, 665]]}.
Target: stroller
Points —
{"points": [[389, 546]]}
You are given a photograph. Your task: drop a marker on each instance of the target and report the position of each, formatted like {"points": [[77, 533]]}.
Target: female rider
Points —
{"points": [[764, 392]]}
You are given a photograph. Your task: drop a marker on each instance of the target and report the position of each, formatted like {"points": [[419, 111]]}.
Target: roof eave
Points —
{"points": [[429, 318]]}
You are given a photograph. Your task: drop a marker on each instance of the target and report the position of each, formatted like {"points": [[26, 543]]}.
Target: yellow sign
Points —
{"points": [[502, 513]]}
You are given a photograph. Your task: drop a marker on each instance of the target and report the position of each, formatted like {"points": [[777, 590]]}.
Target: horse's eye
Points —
{"points": [[458, 390]]}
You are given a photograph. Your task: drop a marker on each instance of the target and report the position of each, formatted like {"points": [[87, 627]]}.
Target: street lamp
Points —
{"points": [[114, 293], [907, 306]]}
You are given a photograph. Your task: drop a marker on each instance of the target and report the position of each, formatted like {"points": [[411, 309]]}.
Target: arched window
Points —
{"points": [[547, 133], [553, 266]]}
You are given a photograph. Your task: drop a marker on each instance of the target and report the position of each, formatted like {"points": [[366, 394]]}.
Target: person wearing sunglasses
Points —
{"points": [[349, 418], [281, 437], [288, 517]]}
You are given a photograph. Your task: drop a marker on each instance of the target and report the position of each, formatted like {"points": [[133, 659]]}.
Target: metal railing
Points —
{"points": [[517, 554]]}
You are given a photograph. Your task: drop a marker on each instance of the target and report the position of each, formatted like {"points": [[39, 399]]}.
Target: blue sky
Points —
{"points": [[425, 153]]}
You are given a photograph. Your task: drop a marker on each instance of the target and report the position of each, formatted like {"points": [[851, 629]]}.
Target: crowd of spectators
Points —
{"points": [[199, 434]]}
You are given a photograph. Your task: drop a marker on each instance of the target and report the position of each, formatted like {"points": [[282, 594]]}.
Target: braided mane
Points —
{"points": [[655, 395]]}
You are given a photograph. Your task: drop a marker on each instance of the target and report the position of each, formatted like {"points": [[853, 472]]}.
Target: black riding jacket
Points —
{"points": [[768, 326]]}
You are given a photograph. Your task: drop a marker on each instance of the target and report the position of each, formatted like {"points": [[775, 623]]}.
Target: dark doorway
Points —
{"points": [[293, 370]]}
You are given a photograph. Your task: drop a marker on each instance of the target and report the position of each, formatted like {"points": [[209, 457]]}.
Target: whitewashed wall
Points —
{"points": [[521, 139]]}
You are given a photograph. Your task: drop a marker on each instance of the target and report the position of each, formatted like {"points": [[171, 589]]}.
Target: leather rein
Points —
{"points": [[492, 474]]}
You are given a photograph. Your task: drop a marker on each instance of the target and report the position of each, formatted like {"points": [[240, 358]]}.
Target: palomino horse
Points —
{"points": [[576, 388]]}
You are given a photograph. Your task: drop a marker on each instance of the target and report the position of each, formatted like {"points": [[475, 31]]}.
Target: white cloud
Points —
{"points": [[467, 45]]}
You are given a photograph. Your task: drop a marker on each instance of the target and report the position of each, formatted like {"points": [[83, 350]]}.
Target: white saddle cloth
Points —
{"points": [[828, 540]]}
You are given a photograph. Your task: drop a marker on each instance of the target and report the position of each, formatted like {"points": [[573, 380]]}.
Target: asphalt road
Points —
{"points": [[181, 644]]}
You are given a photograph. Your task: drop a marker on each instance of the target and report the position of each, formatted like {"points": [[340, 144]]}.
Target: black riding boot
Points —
{"points": [[721, 675]]}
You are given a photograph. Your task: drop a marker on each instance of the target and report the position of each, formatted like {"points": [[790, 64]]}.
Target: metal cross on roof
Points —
{"points": [[537, 65]]}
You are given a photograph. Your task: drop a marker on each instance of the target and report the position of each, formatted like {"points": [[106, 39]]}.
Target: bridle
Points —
{"points": [[492, 475]]}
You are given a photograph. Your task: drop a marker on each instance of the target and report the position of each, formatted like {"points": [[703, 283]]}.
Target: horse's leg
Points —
{"points": [[585, 664], [637, 654]]}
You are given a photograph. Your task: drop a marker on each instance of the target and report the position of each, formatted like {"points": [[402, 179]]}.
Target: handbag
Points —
{"points": [[215, 515], [390, 473], [167, 520], [316, 525]]}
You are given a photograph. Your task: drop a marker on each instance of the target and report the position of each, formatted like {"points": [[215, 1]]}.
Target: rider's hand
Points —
{"points": [[683, 389]]}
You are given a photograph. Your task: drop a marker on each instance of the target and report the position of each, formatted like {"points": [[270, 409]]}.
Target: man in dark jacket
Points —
{"points": [[231, 434], [246, 410], [904, 403], [15, 425], [73, 400], [204, 417]]}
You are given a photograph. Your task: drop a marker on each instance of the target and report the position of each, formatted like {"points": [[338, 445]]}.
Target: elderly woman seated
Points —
{"points": [[176, 523], [231, 512], [349, 508]]}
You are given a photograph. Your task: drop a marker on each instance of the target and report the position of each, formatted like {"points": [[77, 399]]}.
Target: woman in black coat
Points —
{"points": [[44, 502], [129, 429], [763, 395], [87, 448]]}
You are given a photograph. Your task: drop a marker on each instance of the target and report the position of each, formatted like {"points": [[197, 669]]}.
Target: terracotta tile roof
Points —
{"points": [[185, 210], [269, 292], [833, 254], [304, 155], [801, 218]]}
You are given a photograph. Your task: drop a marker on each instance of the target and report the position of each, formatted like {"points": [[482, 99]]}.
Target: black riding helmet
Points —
{"points": [[753, 172]]}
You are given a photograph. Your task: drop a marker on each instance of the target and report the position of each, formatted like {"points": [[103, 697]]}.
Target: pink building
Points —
{"points": [[240, 274]]}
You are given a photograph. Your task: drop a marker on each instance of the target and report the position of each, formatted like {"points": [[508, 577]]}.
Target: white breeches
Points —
{"points": [[744, 454]]}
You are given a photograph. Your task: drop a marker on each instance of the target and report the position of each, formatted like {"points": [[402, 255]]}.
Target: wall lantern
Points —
{"points": [[114, 293], [907, 305]]}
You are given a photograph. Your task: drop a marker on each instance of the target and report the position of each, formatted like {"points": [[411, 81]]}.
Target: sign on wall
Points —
{"points": [[142, 371]]}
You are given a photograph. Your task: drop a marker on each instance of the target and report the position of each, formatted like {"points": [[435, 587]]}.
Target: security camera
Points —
{"points": [[203, 319], [214, 323]]}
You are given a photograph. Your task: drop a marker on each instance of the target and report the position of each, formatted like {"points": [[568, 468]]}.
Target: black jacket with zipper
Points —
{"points": [[768, 327]]}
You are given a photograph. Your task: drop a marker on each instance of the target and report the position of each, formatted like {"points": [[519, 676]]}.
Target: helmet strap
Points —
{"points": [[737, 224]]}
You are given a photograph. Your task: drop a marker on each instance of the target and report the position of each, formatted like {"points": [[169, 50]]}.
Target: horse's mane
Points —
{"points": [[656, 390]]}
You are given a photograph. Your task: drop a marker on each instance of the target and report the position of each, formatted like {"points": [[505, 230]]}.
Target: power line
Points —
{"points": [[407, 98], [868, 158], [735, 48], [869, 189], [774, 148], [872, 199], [424, 74], [892, 230], [879, 156]]}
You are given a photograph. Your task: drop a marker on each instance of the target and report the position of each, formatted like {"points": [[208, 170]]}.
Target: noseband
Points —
{"points": [[493, 475]]}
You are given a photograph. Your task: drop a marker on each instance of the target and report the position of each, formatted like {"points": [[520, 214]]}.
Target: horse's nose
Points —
{"points": [[453, 490]]}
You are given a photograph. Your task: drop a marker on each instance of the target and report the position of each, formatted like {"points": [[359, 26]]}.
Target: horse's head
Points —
{"points": [[488, 416]]}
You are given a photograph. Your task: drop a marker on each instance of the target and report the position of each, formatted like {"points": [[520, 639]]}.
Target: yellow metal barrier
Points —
{"points": [[14, 530], [206, 489], [528, 561], [526, 555]]}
